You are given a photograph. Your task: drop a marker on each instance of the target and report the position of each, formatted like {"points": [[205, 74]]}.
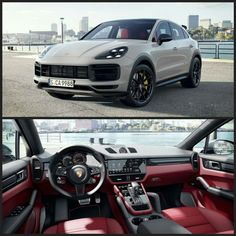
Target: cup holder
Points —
{"points": [[137, 220], [154, 217]]}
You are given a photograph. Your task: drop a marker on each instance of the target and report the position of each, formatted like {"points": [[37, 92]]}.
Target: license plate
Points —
{"points": [[61, 83]]}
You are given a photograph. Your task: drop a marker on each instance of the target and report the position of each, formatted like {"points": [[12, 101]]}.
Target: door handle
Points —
{"points": [[191, 46], [175, 48], [215, 191], [214, 165]]}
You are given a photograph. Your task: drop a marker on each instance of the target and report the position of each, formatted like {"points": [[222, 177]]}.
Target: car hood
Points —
{"points": [[90, 48]]}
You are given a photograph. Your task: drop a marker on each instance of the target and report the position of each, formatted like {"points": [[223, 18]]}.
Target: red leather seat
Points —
{"points": [[200, 220], [97, 225], [124, 34]]}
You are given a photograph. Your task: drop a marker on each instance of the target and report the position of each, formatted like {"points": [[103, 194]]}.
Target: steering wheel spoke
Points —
{"points": [[95, 170], [61, 172], [79, 190]]}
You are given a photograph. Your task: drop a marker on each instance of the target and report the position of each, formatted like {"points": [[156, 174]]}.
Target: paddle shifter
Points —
{"points": [[134, 197]]}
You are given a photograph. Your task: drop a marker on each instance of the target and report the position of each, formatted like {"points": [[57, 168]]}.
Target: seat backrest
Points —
{"points": [[124, 34], [143, 35]]}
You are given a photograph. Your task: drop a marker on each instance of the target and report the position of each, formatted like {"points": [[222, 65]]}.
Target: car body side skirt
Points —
{"points": [[171, 80]]}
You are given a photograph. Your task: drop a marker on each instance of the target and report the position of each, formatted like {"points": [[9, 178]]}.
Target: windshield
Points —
{"points": [[55, 134], [123, 29]]}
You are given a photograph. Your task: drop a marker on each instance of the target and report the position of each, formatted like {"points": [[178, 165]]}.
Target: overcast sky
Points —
{"points": [[22, 17]]}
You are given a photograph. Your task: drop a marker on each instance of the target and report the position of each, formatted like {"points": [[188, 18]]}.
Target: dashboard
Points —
{"points": [[150, 165]]}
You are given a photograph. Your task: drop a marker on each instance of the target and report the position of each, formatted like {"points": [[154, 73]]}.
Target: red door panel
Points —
{"points": [[218, 179], [17, 195]]}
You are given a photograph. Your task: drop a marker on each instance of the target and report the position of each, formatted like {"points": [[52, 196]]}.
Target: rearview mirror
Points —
{"points": [[163, 38]]}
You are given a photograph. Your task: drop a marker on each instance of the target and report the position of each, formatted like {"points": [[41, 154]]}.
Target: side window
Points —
{"points": [[185, 34], [225, 132], [177, 32], [163, 28], [11, 150], [103, 34]]}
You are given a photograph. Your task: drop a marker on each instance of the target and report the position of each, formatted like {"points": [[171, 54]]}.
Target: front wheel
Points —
{"points": [[194, 77], [141, 87], [61, 95]]}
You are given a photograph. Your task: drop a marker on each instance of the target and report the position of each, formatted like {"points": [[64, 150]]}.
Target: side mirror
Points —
{"points": [[163, 38], [220, 147]]}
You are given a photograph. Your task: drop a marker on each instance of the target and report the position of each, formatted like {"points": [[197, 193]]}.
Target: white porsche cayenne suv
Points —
{"points": [[125, 58]]}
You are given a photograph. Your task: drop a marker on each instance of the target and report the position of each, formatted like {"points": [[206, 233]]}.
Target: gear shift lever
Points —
{"points": [[135, 188]]}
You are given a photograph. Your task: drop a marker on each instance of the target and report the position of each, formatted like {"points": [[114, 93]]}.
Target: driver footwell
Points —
{"points": [[93, 209], [62, 209]]}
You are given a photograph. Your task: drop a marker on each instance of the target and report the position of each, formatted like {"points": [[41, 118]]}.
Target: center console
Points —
{"points": [[134, 198], [137, 205], [141, 209]]}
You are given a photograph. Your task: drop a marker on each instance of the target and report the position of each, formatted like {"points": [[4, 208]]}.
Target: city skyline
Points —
{"points": [[16, 17]]}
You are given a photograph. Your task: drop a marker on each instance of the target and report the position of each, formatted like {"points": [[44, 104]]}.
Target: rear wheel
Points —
{"points": [[141, 87], [61, 95], [194, 77]]}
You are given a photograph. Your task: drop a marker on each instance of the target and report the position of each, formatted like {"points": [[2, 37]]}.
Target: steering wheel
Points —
{"points": [[78, 175]]}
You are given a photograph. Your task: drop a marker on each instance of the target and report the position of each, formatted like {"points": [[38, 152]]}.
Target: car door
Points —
{"points": [[182, 49], [164, 55], [215, 181], [20, 210]]}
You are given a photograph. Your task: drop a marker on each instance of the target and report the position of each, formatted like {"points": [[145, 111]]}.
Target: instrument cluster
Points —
{"points": [[73, 159]]}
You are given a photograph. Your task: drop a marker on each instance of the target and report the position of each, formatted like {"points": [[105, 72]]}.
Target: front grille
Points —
{"points": [[106, 72], [79, 72]]}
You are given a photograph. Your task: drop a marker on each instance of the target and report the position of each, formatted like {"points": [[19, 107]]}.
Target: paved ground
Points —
{"points": [[213, 98]]}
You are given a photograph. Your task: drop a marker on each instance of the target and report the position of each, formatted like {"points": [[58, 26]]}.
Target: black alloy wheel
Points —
{"points": [[194, 77], [141, 86]]}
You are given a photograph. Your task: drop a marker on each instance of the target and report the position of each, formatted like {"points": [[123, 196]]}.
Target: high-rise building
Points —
{"points": [[205, 23], [84, 24], [193, 21], [54, 27], [227, 24]]}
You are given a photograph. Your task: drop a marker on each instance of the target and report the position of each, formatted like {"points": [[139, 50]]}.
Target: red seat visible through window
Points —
{"points": [[143, 35], [124, 34]]}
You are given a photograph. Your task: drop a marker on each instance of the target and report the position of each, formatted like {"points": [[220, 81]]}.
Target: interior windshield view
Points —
{"points": [[117, 176]]}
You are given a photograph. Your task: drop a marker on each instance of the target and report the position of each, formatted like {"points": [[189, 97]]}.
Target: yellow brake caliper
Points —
{"points": [[145, 82]]}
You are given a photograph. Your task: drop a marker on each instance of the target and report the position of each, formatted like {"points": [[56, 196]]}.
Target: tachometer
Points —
{"points": [[79, 158], [67, 161]]}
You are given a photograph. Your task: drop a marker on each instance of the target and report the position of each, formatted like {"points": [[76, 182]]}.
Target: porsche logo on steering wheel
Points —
{"points": [[79, 173]]}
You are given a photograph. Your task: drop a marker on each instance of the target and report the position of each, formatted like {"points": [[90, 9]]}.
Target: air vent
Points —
{"points": [[110, 150], [132, 150], [37, 169], [195, 161], [123, 150]]}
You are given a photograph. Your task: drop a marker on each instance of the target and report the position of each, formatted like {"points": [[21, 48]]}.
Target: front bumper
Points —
{"points": [[99, 79]]}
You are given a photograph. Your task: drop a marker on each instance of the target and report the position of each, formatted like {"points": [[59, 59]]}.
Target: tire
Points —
{"points": [[61, 95], [141, 86], [194, 77]]}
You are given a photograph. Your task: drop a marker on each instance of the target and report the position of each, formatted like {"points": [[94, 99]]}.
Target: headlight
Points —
{"points": [[45, 51], [115, 53]]}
